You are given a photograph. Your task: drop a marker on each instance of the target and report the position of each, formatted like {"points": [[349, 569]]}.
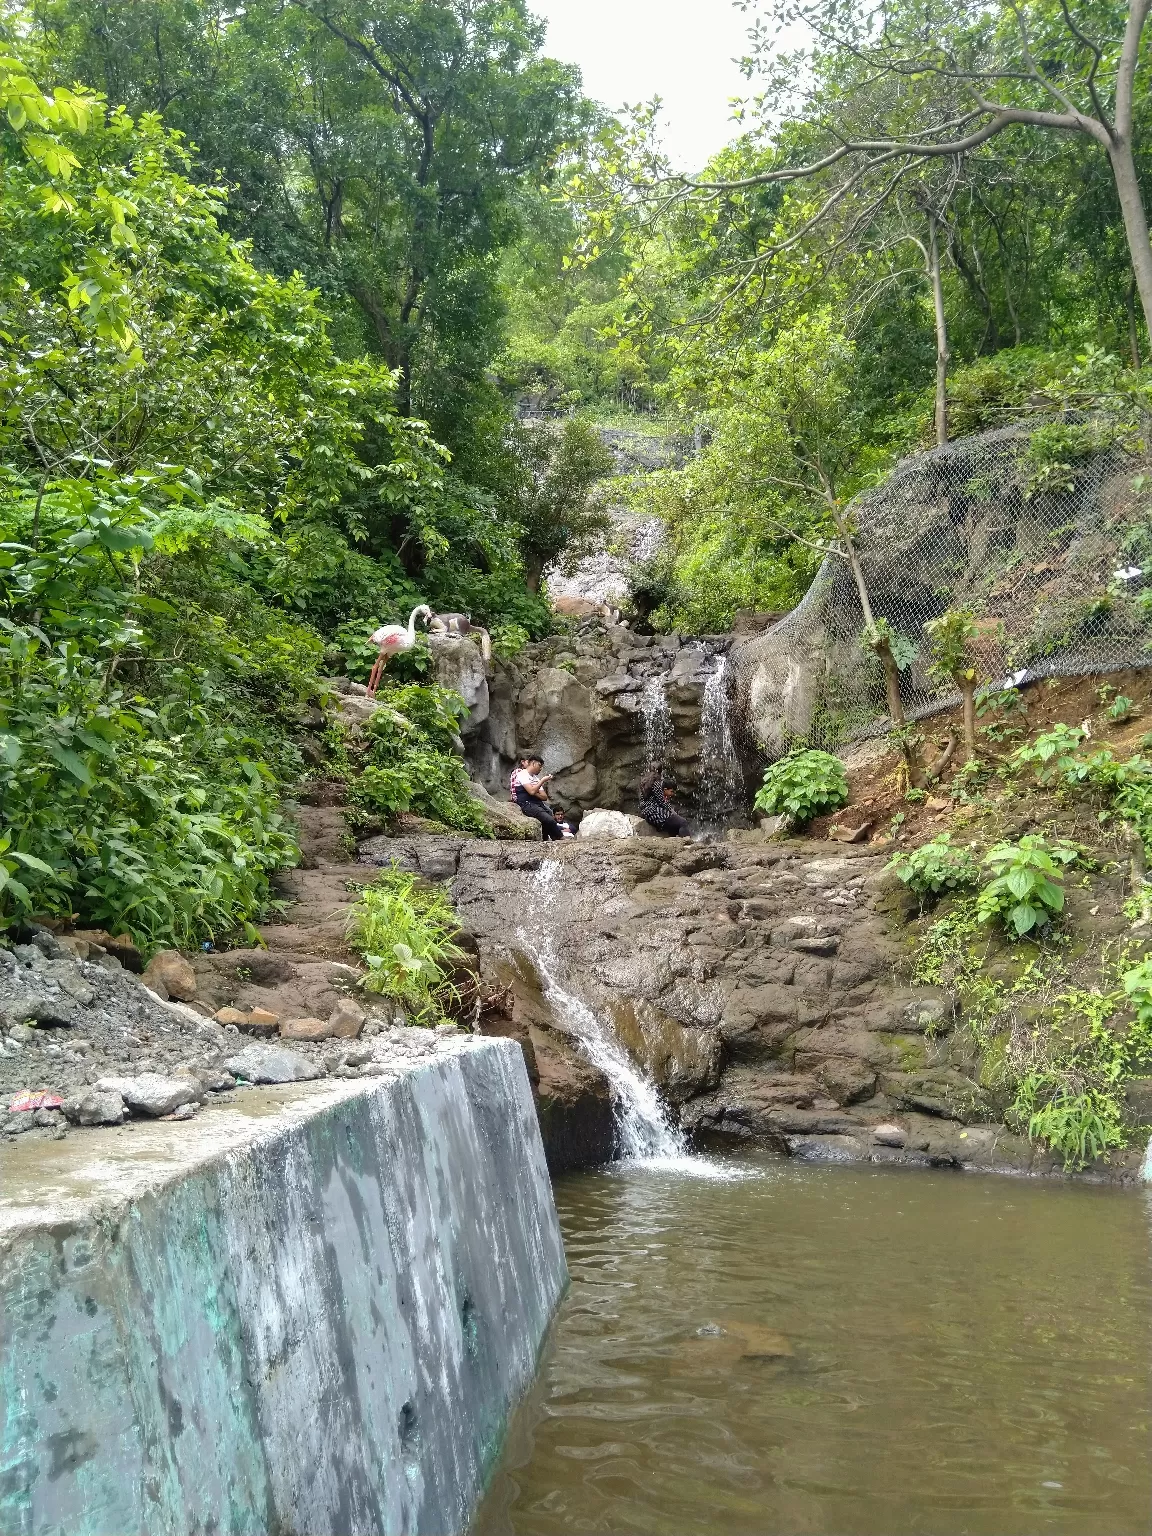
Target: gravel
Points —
{"points": [[91, 1034]]}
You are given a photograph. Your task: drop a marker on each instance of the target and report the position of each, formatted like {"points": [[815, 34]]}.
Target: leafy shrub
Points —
{"points": [[153, 814], [1079, 1126], [1053, 754], [410, 763], [405, 931], [1027, 884], [802, 785], [936, 867], [1137, 984]]}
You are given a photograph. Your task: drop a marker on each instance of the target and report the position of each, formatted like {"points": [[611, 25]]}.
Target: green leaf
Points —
{"points": [[72, 762], [121, 539], [1024, 917], [31, 862]]}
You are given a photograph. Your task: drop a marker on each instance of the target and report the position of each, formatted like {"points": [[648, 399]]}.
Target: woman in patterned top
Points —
{"points": [[526, 789], [656, 804]]}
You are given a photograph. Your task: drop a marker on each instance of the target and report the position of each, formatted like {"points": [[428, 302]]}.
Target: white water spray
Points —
{"points": [[722, 782], [657, 720], [645, 1132]]}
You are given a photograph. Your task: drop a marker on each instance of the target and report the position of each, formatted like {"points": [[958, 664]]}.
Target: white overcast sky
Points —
{"points": [[680, 50]]}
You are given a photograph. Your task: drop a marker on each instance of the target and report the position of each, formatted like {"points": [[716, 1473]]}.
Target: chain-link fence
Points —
{"points": [[1045, 535]]}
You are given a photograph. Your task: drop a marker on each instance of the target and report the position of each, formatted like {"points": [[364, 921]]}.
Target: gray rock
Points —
{"points": [[890, 1135], [66, 974], [95, 1106], [150, 1093], [48, 944], [21, 1033], [271, 1064], [346, 1020]]}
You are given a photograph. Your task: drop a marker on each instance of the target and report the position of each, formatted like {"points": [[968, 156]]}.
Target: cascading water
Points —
{"points": [[721, 777], [645, 1132], [657, 719]]}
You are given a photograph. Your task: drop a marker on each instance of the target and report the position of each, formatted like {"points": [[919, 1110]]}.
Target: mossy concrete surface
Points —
{"points": [[309, 1312]]}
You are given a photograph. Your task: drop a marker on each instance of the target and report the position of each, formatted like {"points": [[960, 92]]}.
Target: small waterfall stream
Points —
{"points": [[645, 1131], [721, 777], [657, 719]]}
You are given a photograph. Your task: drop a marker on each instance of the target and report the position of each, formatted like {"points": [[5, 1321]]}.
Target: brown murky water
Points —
{"points": [[840, 1352]]}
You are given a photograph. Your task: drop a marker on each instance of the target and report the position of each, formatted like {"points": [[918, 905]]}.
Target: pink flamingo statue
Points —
{"points": [[392, 639]]}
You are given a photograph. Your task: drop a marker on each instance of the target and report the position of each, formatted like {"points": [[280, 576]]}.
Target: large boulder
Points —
{"points": [[459, 665], [149, 1093], [555, 716], [505, 818], [601, 823], [271, 1064]]}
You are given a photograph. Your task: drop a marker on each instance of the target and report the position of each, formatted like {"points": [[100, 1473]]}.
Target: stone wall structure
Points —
{"points": [[311, 1311]]}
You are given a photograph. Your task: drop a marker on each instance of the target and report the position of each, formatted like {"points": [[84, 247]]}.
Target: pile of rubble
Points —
{"points": [[84, 1041]]}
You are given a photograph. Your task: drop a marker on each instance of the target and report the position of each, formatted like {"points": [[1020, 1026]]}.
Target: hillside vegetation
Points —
{"points": [[284, 292]]}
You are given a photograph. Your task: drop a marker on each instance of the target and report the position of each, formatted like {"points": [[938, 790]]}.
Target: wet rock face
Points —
{"points": [[580, 702], [755, 982]]}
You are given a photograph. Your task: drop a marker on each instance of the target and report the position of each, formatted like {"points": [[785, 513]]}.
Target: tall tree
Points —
{"points": [[978, 71], [376, 147]]}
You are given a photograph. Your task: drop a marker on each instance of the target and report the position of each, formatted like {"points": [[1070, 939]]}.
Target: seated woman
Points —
{"points": [[526, 789], [656, 804]]}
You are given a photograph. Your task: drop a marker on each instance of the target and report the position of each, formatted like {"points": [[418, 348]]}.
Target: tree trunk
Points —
{"points": [[941, 334], [1135, 223], [533, 573], [892, 687], [1133, 328], [849, 544], [968, 691]]}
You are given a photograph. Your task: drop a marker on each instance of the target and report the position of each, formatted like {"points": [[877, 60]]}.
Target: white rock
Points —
{"points": [[92, 1106], [271, 1064], [149, 1092], [600, 823], [889, 1135]]}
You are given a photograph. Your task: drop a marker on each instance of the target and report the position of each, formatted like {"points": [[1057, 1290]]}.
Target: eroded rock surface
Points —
{"points": [[756, 982]]}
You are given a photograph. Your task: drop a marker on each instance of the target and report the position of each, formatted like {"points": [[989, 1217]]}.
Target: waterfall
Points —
{"points": [[644, 1132], [721, 777], [657, 719]]}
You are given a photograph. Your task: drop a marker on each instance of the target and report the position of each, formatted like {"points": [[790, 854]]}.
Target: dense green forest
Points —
{"points": [[274, 281]]}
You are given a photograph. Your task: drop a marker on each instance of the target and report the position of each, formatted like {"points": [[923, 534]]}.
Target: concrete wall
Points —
{"points": [[307, 1312]]}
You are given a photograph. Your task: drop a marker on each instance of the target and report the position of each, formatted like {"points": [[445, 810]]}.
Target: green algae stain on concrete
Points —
{"points": [[316, 1318]]}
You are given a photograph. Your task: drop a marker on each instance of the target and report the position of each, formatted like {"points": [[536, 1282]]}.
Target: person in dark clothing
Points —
{"points": [[526, 789], [656, 804]]}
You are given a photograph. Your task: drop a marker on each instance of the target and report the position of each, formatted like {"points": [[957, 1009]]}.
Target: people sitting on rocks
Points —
{"points": [[526, 789], [562, 821], [656, 806]]}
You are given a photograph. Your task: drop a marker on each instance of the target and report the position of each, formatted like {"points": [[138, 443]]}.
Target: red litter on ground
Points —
{"points": [[34, 1099]]}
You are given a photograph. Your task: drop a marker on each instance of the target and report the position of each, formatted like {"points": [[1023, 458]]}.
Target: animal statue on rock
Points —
{"points": [[461, 625], [392, 639]]}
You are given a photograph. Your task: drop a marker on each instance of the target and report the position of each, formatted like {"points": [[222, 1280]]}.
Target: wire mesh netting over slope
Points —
{"points": [[1053, 555]]}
